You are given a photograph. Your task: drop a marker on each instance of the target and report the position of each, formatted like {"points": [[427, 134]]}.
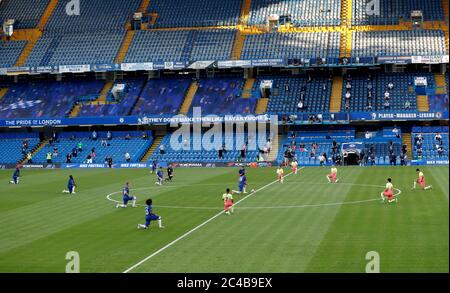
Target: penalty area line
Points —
{"points": [[197, 227]]}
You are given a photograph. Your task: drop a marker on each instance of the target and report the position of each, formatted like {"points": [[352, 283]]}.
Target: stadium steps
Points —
{"points": [[151, 149], [154, 18], [345, 45], [422, 103], [238, 44], [261, 106], [245, 11], [143, 7], [126, 43], [188, 98], [105, 91], [35, 150], [445, 8], [336, 94], [47, 14], [3, 92], [406, 140], [248, 86], [274, 151], [441, 85], [75, 111], [346, 13], [29, 35], [25, 53]]}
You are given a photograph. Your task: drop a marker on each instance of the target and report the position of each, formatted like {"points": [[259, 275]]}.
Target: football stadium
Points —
{"points": [[236, 136]]}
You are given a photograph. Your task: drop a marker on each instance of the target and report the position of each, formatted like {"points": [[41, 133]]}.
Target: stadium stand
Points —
{"points": [[302, 143], [115, 148], [150, 46], [93, 37], [399, 43], [428, 147], [11, 146], [195, 152], [402, 96], [212, 45], [195, 13], [92, 48], [45, 99], [10, 52], [291, 45], [179, 45], [25, 14], [123, 107], [161, 97], [287, 93], [222, 96], [96, 16], [300, 12], [393, 12]]}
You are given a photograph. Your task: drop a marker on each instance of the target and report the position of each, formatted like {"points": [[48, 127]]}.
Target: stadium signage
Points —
{"points": [[74, 68], [429, 162], [136, 66], [234, 63], [394, 60], [201, 64], [32, 122], [17, 70], [399, 116], [44, 69], [39, 166], [202, 119], [105, 67], [438, 59], [151, 120], [268, 62]]}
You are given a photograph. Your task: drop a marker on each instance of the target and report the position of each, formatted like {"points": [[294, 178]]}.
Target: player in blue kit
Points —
{"points": [[241, 171], [15, 177], [242, 184], [150, 216], [127, 197], [154, 166], [159, 176], [70, 186]]}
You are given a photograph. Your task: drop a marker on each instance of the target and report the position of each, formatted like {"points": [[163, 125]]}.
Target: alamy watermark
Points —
{"points": [[230, 132], [73, 266], [373, 264], [373, 8], [73, 8]]}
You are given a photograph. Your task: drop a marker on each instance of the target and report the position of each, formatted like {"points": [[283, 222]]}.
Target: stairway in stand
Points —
{"points": [[336, 94], [406, 140], [126, 43], [3, 92], [261, 106], [274, 151], [151, 149], [184, 109], [35, 150], [440, 84], [238, 44], [47, 14], [105, 91], [248, 87], [422, 104]]}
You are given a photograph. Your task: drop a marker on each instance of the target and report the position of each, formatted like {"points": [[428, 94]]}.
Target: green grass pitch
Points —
{"points": [[303, 225]]}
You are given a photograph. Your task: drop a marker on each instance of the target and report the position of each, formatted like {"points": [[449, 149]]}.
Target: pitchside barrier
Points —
{"points": [[189, 165]]}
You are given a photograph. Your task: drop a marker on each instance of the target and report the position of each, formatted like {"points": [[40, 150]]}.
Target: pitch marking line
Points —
{"points": [[198, 227], [264, 207]]}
